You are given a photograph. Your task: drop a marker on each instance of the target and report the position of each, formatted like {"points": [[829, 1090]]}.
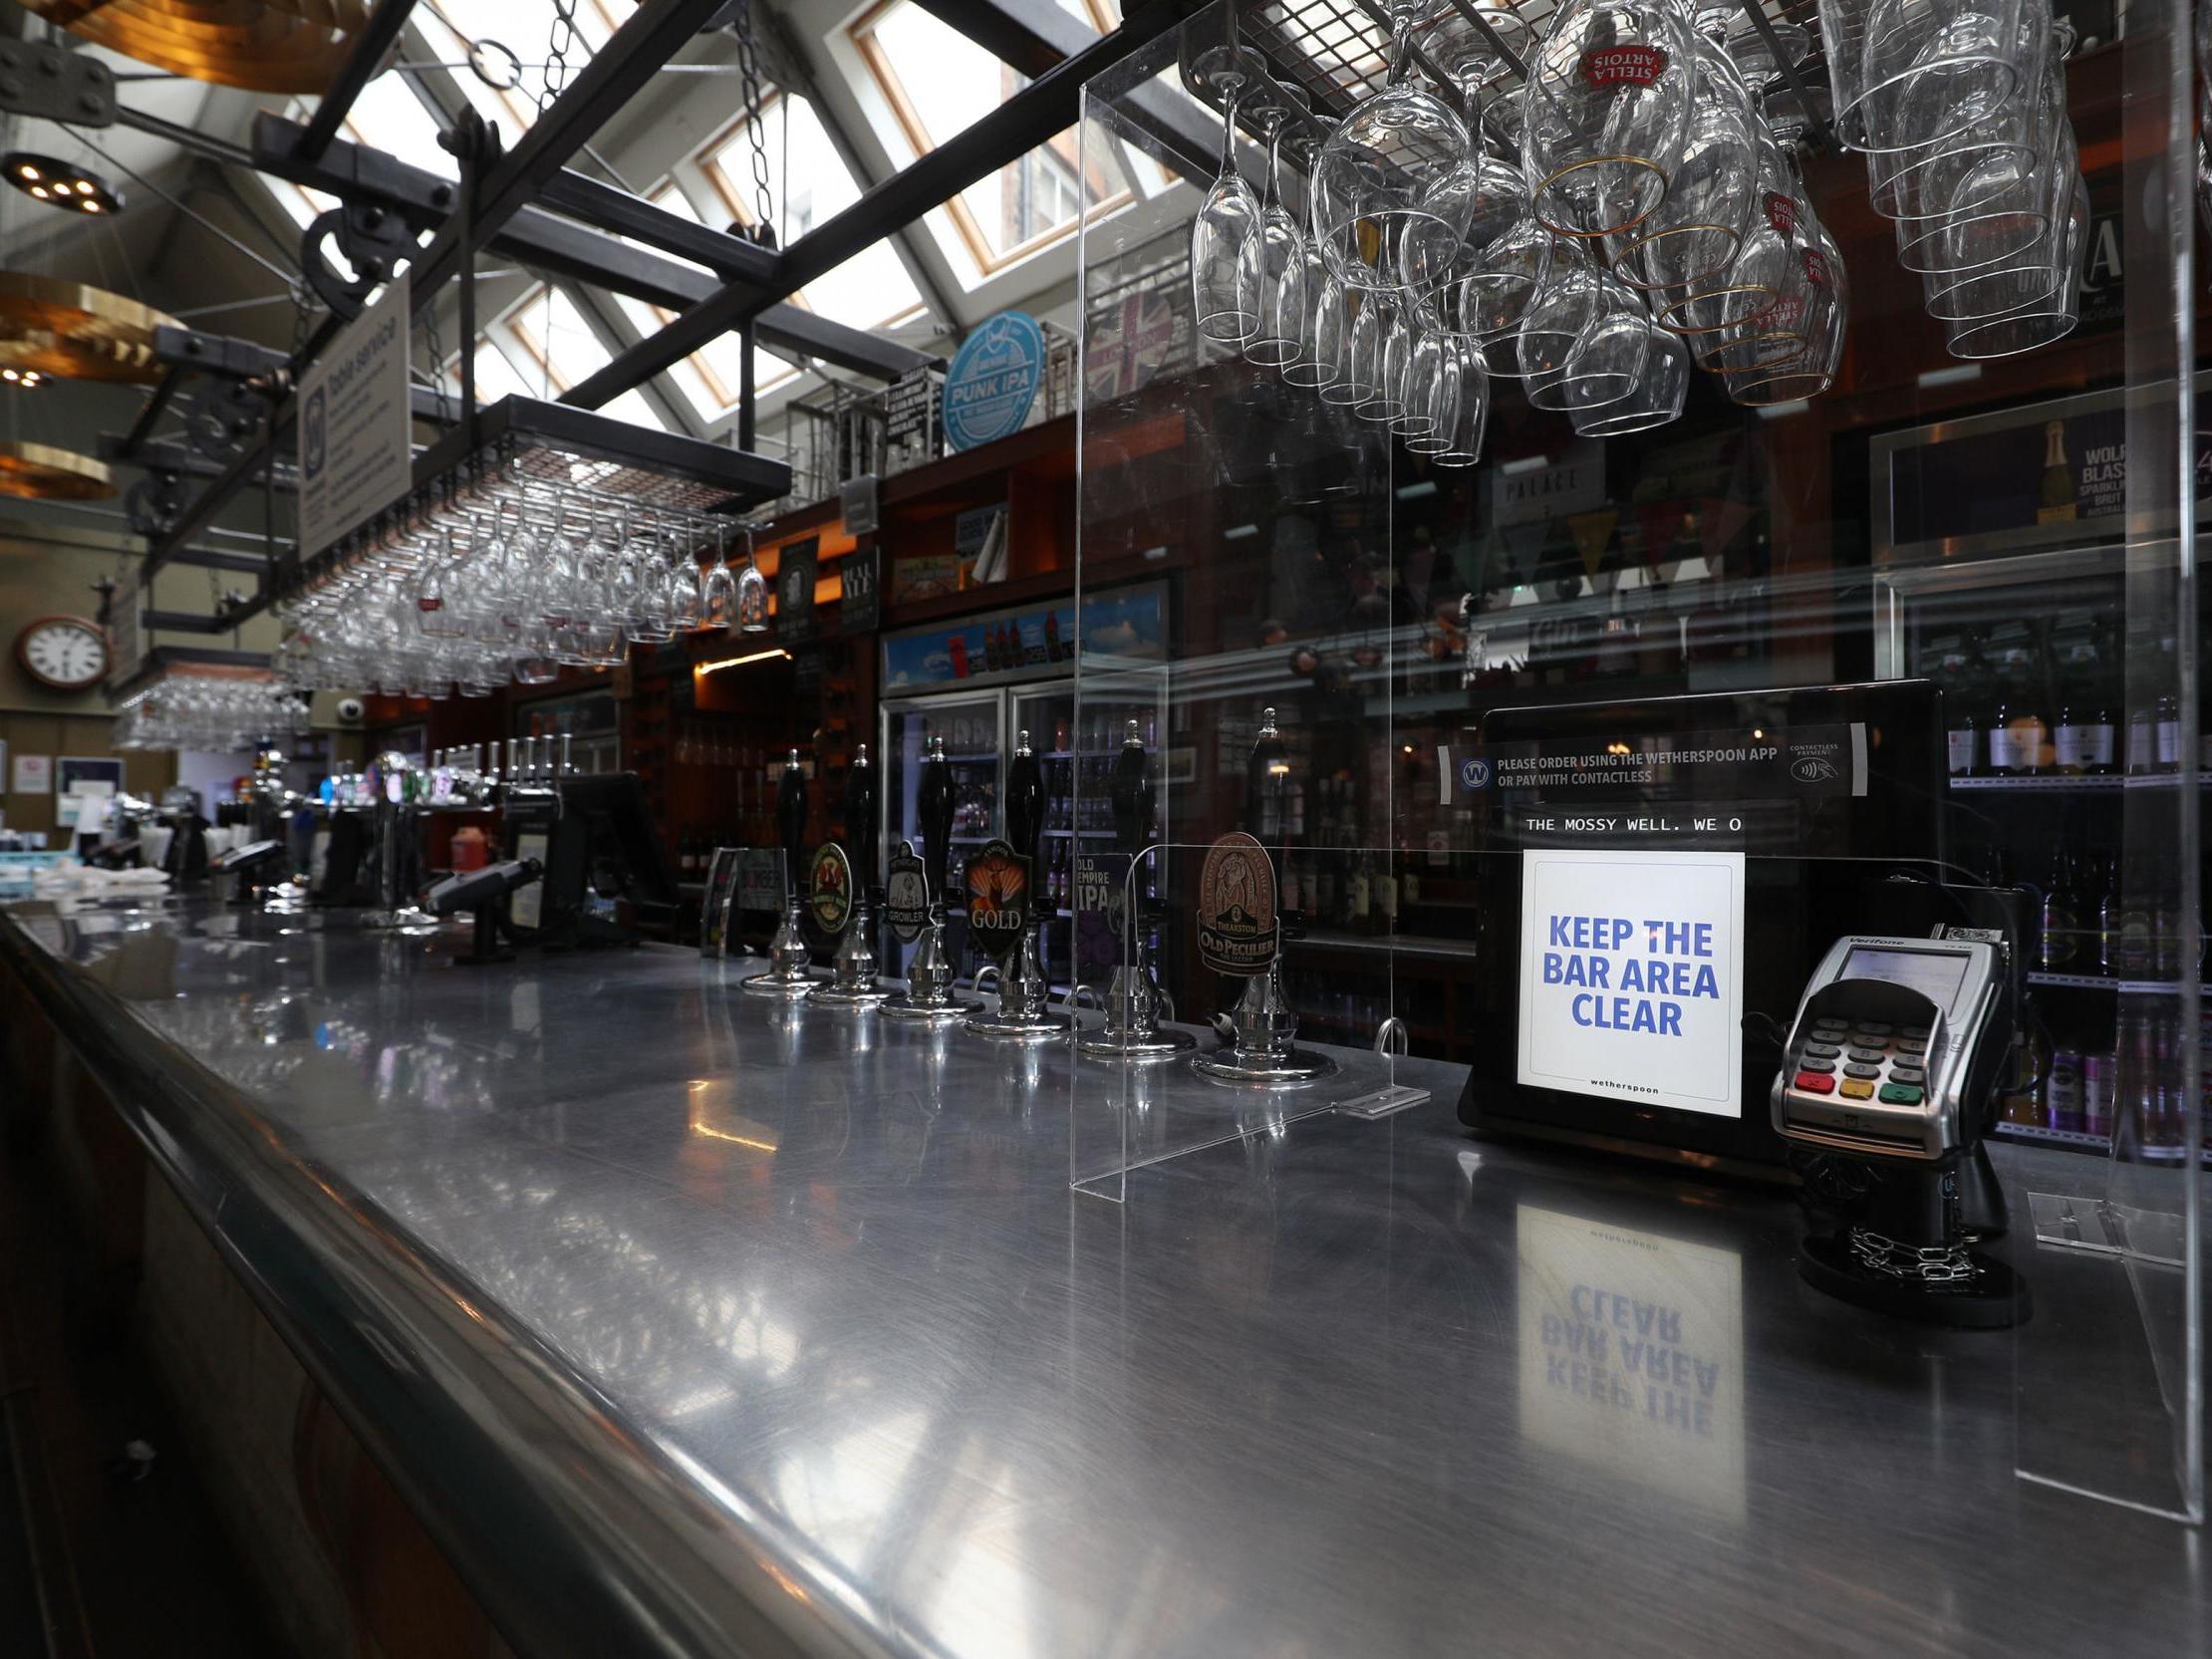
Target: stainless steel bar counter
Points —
{"points": [[692, 1325]]}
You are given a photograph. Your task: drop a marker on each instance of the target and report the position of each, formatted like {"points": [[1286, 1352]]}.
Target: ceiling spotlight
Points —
{"points": [[59, 183], [24, 378]]}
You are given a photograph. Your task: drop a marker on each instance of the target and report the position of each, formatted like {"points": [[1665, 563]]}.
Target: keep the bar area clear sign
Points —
{"points": [[1632, 975]]}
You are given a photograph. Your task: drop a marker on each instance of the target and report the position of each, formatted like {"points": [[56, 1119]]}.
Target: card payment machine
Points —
{"points": [[1889, 1071], [1894, 1051]]}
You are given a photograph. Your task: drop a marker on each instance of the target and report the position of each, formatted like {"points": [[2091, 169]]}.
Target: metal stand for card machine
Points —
{"points": [[853, 986], [1263, 1053], [788, 973], [1134, 998], [927, 999], [1024, 995]]}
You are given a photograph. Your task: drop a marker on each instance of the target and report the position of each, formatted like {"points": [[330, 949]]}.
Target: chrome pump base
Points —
{"points": [[787, 974], [1263, 1055]]}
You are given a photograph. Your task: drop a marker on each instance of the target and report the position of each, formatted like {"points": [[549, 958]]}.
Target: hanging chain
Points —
{"points": [[748, 68], [1931, 1265], [437, 361], [561, 41]]}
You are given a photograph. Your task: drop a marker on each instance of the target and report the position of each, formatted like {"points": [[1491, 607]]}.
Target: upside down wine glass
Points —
{"points": [[1389, 173], [1605, 113], [1224, 275]]}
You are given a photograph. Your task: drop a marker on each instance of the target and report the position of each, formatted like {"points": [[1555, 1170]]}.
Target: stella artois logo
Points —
{"points": [[1623, 66], [1781, 213], [1238, 929], [998, 898], [830, 887], [1815, 267]]}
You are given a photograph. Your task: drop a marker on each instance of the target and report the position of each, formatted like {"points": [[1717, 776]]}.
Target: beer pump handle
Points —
{"points": [[1267, 796], [1025, 801], [934, 808], [860, 819], [1132, 794], [792, 816], [1266, 771]]}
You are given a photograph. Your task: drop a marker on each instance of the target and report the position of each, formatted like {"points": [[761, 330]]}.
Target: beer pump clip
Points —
{"points": [[789, 974], [1024, 995], [853, 985], [1239, 932], [1134, 999], [929, 997]]}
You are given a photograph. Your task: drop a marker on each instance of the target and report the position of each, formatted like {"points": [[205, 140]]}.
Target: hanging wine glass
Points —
{"points": [[1694, 235], [1481, 190], [752, 589], [1225, 273], [1277, 251], [1754, 277], [718, 593], [1605, 113], [1388, 172]]}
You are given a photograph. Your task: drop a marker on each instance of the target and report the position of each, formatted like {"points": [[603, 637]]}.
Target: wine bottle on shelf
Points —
{"points": [[2127, 928], [2056, 498], [2062, 917], [2082, 745], [1963, 734], [2017, 732]]}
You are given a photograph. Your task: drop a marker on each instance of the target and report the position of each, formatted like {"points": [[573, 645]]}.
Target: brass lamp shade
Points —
{"points": [[276, 46], [40, 473], [75, 332]]}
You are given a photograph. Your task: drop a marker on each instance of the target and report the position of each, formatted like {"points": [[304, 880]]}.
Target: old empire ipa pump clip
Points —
{"points": [[854, 986], [1134, 998], [929, 997], [787, 973], [1239, 932], [1002, 915]]}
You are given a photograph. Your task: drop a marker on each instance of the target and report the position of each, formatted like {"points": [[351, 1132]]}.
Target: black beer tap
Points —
{"points": [[1134, 1002], [933, 809], [789, 974], [791, 820], [929, 994], [1023, 991]]}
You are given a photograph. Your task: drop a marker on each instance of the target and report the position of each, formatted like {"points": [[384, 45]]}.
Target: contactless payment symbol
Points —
{"points": [[830, 887]]}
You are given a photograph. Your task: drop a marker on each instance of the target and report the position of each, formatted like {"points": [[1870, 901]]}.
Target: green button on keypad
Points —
{"points": [[1899, 1094]]}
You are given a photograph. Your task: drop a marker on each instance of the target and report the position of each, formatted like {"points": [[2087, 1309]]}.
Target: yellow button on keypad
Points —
{"points": [[1854, 1089]]}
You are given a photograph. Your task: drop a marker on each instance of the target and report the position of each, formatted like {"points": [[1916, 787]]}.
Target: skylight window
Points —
{"points": [[524, 28], [550, 347], [929, 75], [709, 378], [808, 184]]}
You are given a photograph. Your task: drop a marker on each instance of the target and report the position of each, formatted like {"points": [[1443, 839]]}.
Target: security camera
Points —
{"points": [[350, 710]]}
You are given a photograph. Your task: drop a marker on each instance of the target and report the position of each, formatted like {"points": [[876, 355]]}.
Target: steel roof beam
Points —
{"points": [[1047, 105]]}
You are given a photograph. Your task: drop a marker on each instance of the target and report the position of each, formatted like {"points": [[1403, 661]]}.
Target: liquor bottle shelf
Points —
{"points": [[2099, 982]]}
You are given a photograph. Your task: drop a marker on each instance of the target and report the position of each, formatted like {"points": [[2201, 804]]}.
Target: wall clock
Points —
{"points": [[66, 654]]}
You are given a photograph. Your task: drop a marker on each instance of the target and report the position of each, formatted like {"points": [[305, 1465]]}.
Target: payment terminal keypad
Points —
{"points": [[1879, 1061]]}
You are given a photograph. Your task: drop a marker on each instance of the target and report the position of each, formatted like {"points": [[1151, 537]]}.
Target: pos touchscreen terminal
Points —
{"points": [[1655, 881]]}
